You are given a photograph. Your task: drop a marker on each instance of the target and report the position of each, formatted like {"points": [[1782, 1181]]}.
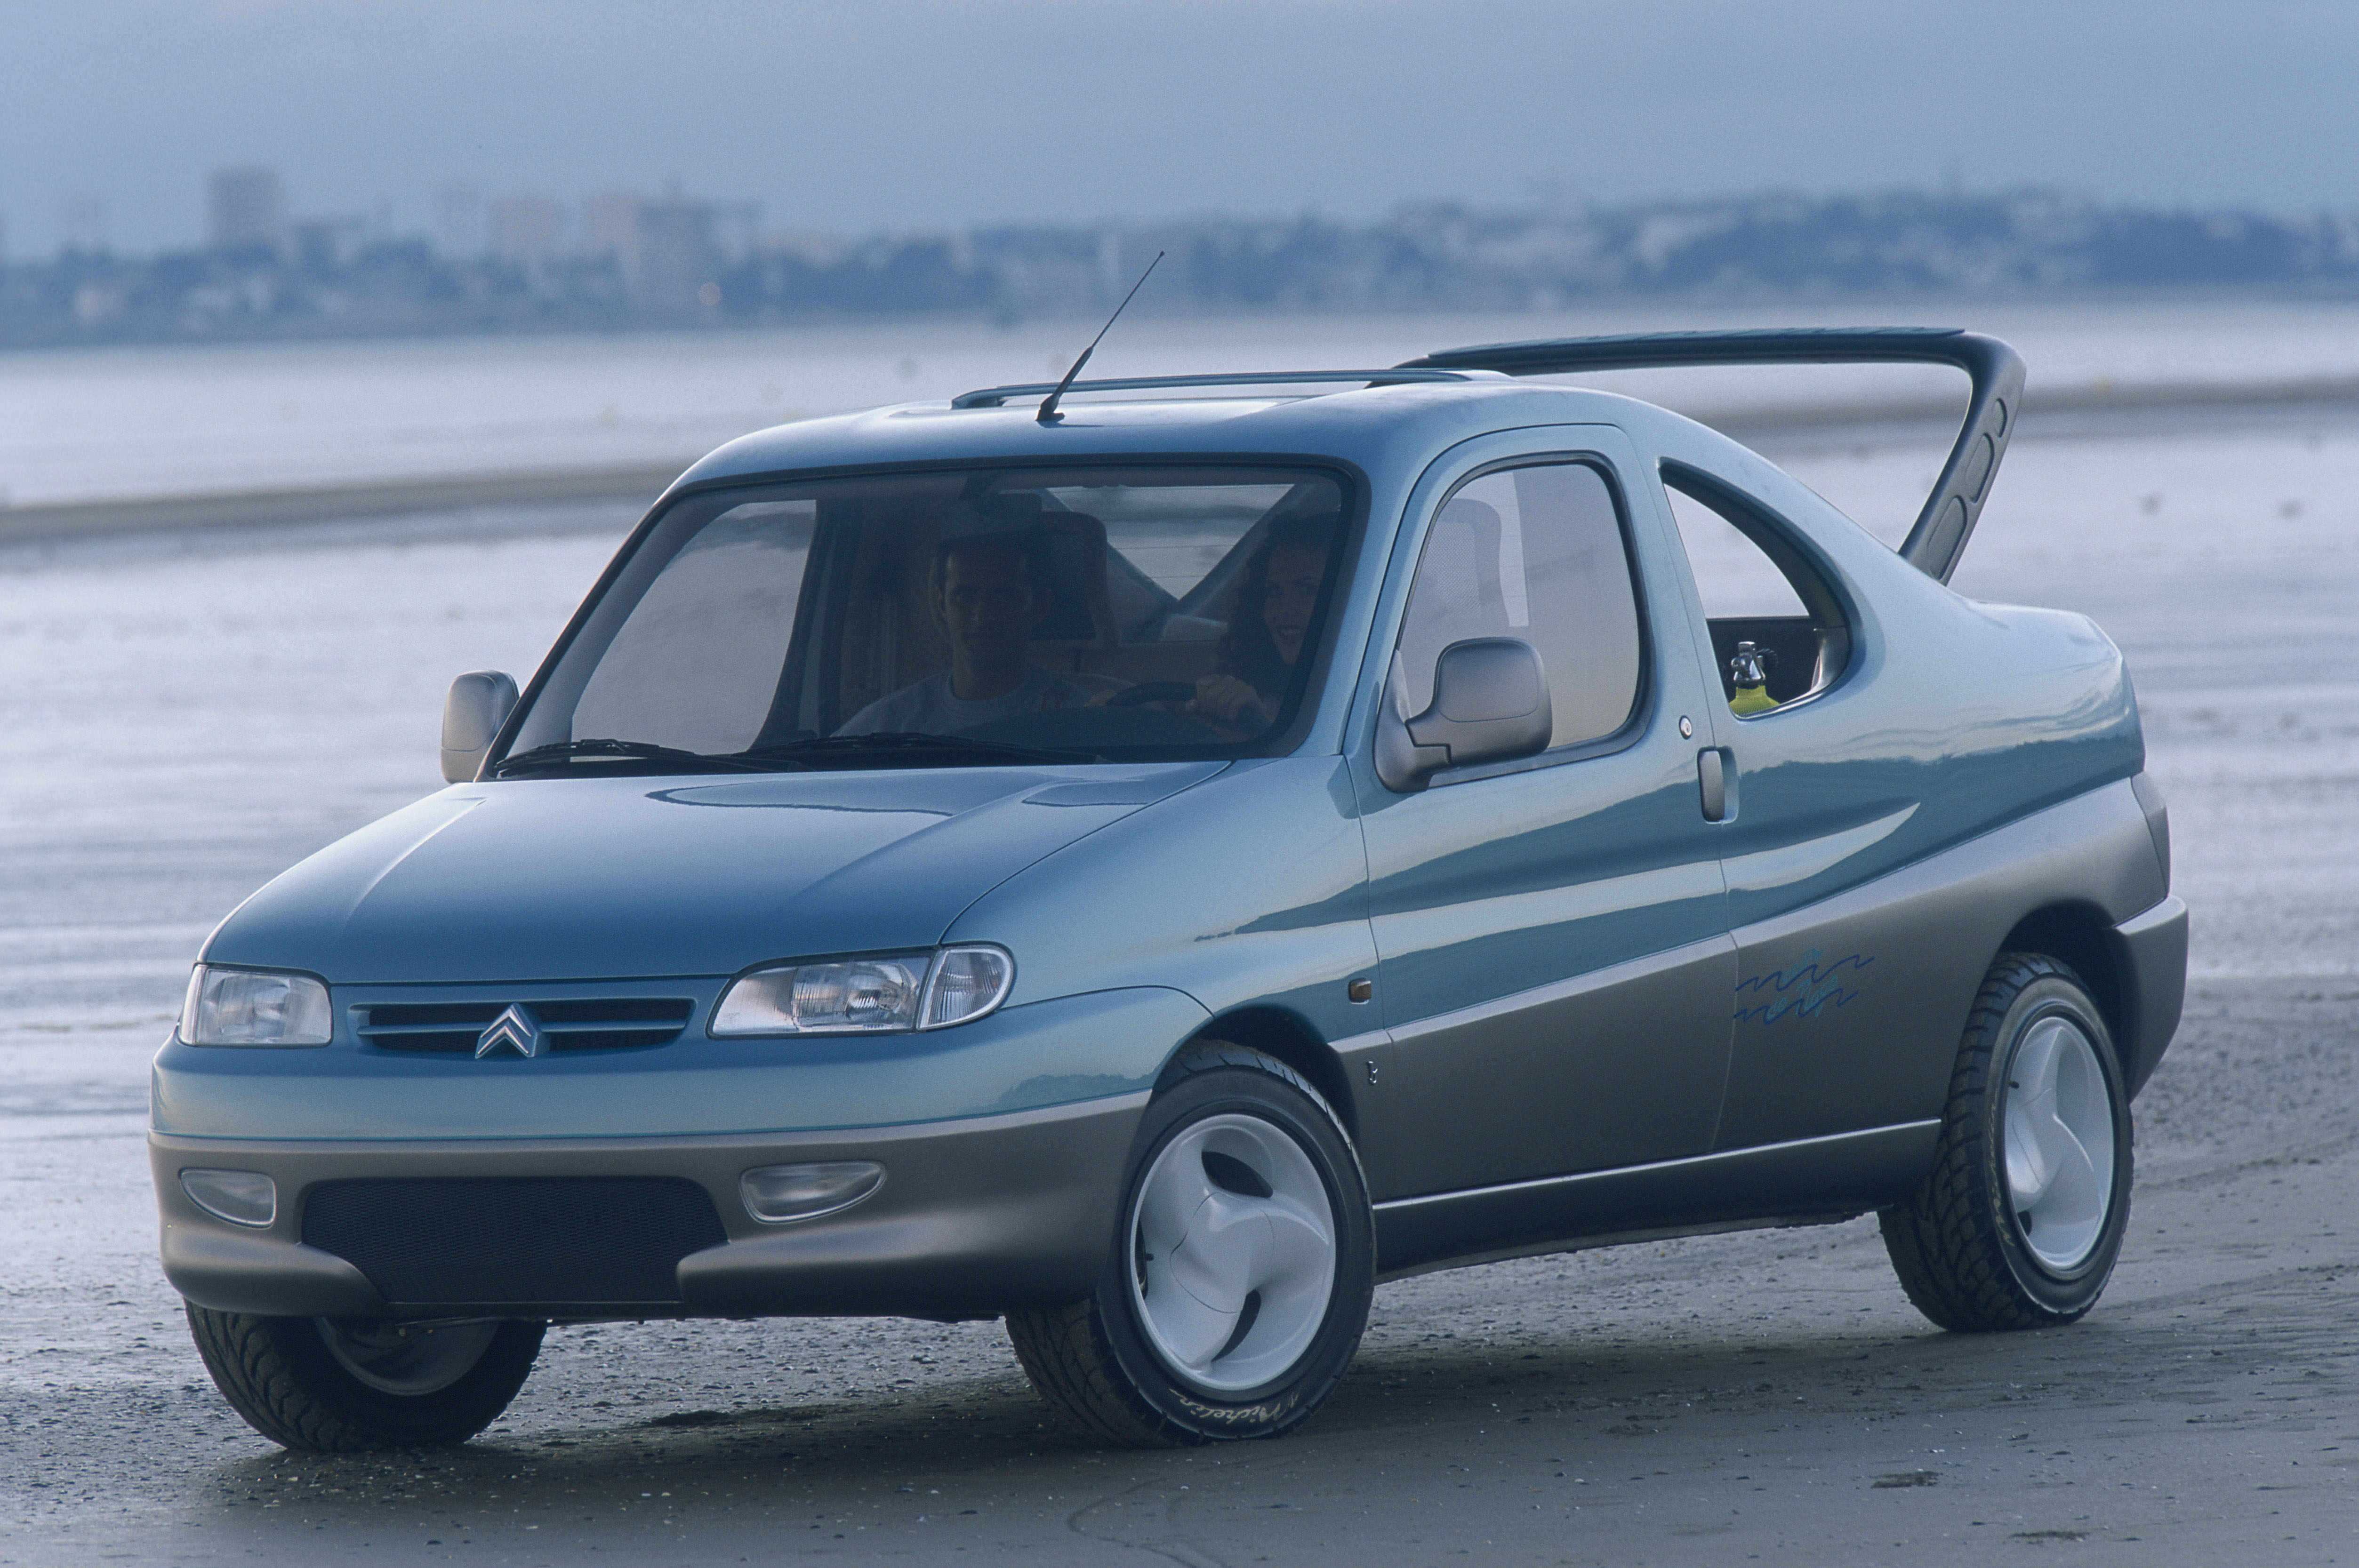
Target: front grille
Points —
{"points": [[534, 1239], [597, 1023]]}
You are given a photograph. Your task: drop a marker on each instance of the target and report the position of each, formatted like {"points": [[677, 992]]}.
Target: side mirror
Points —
{"points": [[478, 705], [1490, 704]]}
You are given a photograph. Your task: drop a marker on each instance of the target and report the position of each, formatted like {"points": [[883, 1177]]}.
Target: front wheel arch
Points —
{"points": [[1284, 1036]]}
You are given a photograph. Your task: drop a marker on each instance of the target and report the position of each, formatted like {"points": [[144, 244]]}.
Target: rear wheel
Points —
{"points": [[338, 1386], [1239, 1287], [2020, 1222]]}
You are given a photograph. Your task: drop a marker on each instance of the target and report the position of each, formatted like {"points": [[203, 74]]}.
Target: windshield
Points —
{"points": [[952, 617]]}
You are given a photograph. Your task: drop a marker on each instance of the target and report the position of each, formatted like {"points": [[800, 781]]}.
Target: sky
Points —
{"points": [[925, 115]]}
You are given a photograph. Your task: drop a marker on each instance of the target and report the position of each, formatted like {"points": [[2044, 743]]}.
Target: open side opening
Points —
{"points": [[1758, 588]]}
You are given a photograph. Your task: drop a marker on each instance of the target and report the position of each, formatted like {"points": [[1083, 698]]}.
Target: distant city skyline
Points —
{"points": [[633, 259], [248, 205], [952, 113]]}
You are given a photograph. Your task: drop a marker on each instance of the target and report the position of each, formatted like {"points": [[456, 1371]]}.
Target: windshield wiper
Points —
{"points": [[887, 740], [599, 746]]}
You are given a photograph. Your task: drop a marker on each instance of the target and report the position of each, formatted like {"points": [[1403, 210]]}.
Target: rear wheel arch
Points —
{"points": [[1285, 1036], [2081, 936]]}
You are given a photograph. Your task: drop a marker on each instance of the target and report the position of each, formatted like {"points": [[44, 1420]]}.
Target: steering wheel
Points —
{"points": [[1152, 691]]}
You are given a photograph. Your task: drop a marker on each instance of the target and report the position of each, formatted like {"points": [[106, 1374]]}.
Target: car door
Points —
{"points": [[1829, 1030], [1552, 949]]}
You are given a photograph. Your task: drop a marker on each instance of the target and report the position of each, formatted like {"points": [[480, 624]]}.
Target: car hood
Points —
{"points": [[628, 878]]}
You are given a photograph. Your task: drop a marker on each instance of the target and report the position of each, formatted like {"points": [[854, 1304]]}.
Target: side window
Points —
{"points": [[1535, 553], [1757, 589]]}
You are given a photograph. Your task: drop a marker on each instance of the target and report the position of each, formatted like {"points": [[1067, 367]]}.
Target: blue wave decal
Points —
{"points": [[1802, 992]]}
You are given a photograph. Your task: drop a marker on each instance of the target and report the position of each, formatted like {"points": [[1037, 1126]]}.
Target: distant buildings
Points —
{"points": [[81, 222], [242, 209], [527, 230], [523, 261], [458, 217], [610, 226]]}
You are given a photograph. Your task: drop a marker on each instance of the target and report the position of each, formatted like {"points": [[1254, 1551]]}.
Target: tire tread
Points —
{"points": [[253, 1374], [297, 1401]]}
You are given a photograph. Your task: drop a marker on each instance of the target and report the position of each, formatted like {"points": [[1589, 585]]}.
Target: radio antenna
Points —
{"points": [[1047, 413]]}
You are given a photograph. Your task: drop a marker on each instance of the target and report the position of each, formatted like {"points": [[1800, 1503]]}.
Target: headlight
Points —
{"points": [[255, 1007], [868, 996]]}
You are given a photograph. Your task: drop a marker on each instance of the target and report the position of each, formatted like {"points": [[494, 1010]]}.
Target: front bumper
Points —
{"points": [[974, 1216]]}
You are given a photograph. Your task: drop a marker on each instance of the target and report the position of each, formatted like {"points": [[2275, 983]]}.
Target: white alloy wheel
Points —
{"points": [[1233, 1253], [407, 1359], [2059, 1143], [1236, 1288]]}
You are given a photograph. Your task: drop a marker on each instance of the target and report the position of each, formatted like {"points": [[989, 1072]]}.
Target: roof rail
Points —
{"points": [[1947, 519], [994, 396]]}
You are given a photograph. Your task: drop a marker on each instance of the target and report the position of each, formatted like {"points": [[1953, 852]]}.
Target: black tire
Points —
{"points": [[1105, 1363], [325, 1386], [1968, 1245]]}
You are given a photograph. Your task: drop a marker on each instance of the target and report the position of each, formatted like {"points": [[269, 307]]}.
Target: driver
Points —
{"points": [[990, 592]]}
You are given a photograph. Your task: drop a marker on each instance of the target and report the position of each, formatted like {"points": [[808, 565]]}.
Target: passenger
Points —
{"points": [[1270, 607], [990, 592]]}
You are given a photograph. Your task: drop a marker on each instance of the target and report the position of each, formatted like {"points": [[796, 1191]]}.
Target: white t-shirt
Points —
{"points": [[932, 707]]}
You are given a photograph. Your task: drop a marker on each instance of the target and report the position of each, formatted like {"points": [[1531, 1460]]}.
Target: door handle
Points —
{"points": [[1711, 782]]}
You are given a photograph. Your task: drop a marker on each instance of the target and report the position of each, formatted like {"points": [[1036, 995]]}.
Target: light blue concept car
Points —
{"points": [[1152, 863]]}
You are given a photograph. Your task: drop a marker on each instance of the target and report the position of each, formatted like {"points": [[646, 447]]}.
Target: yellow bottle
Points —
{"points": [[1748, 671]]}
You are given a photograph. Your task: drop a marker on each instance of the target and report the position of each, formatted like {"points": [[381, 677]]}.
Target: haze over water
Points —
{"points": [[150, 421]]}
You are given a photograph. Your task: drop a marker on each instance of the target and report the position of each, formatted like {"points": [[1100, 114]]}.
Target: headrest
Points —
{"points": [[1458, 580], [1077, 562], [966, 517]]}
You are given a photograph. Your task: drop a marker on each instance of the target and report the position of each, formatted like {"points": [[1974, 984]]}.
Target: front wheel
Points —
{"points": [[2020, 1221], [1239, 1286], [331, 1385]]}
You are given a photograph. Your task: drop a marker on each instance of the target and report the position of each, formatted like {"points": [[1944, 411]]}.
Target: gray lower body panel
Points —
{"points": [[974, 1216], [1808, 1179], [1886, 972]]}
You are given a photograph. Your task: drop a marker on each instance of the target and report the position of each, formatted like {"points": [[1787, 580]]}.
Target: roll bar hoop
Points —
{"points": [[1947, 520]]}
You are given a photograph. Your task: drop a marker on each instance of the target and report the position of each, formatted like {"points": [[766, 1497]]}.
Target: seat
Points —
{"points": [[1080, 637]]}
